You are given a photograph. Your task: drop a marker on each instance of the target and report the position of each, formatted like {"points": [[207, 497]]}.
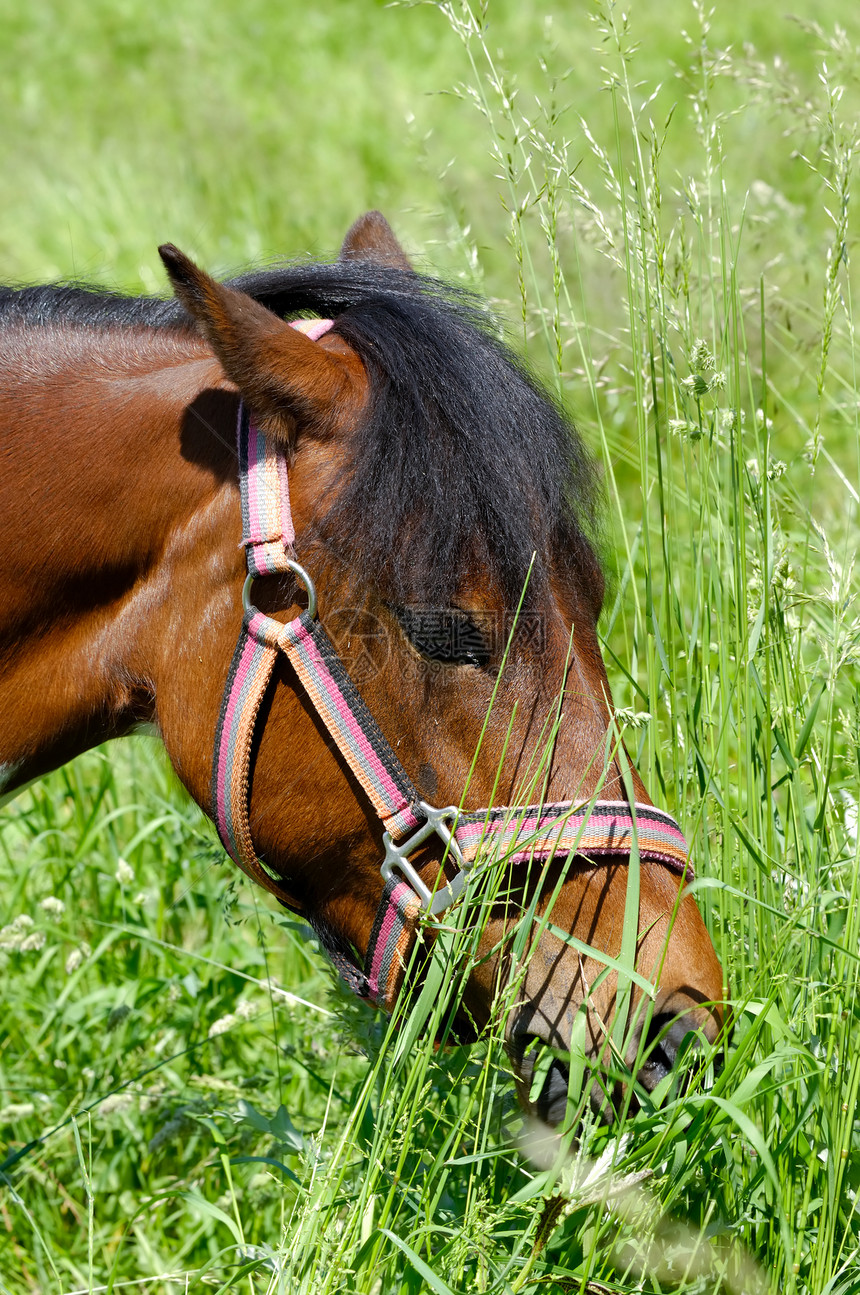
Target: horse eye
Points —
{"points": [[444, 635]]}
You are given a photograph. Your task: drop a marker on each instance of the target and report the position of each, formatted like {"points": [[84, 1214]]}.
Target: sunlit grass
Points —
{"points": [[735, 629]]}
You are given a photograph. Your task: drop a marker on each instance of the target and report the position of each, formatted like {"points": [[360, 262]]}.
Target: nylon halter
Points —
{"points": [[519, 834]]}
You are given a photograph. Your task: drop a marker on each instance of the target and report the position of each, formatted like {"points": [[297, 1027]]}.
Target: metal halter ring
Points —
{"points": [[303, 578]]}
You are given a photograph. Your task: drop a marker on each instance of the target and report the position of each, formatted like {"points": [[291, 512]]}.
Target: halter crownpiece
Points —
{"points": [[518, 834]]}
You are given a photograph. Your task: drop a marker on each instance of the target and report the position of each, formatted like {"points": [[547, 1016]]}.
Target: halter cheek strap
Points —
{"points": [[519, 834], [268, 531]]}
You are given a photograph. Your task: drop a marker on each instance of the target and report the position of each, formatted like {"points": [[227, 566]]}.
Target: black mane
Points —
{"points": [[464, 458], [86, 306]]}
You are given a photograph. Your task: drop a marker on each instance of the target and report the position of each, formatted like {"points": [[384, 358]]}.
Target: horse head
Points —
{"points": [[446, 510]]}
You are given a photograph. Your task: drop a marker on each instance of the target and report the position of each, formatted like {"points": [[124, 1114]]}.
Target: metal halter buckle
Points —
{"points": [[397, 856]]}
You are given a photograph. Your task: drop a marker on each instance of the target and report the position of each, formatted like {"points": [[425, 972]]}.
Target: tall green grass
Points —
{"points": [[681, 261]]}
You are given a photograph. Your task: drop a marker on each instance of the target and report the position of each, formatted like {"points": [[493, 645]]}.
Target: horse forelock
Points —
{"points": [[463, 462]]}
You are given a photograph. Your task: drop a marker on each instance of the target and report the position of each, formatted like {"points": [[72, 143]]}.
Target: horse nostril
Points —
{"points": [[658, 1053], [668, 1035]]}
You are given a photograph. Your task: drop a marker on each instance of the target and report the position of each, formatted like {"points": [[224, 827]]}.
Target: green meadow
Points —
{"points": [[659, 203]]}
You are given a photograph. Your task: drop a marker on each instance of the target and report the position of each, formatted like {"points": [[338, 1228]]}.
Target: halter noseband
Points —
{"points": [[521, 834]]}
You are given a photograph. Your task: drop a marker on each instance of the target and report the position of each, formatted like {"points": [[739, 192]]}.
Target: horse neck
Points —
{"points": [[119, 537]]}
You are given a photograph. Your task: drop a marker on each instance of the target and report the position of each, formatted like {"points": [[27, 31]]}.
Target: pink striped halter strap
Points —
{"points": [[520, 834]]}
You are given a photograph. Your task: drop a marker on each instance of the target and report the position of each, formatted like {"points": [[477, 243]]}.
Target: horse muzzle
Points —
{"points": [[670, 1039]]}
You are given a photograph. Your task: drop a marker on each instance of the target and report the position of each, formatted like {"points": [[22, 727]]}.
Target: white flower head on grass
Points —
{"points": [[702, 357], [683, 427], [52, 907], [77, 957], [631, 718], [124, 872], [243, 1011], [16, 1111], [12, 937], [222, 1025], [19, 936], [116, 1102], [698, 385]]}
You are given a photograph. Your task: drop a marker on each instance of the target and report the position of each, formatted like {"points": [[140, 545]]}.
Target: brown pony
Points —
{"points": [[432, 481]]}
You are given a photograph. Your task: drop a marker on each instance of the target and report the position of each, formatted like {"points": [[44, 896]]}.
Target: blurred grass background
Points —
{"points": [[259, 130], [659, 203]]}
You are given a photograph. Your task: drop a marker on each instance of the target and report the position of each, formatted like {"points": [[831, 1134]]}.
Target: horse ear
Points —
{"points": [[371, 238], [286, 378]]}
